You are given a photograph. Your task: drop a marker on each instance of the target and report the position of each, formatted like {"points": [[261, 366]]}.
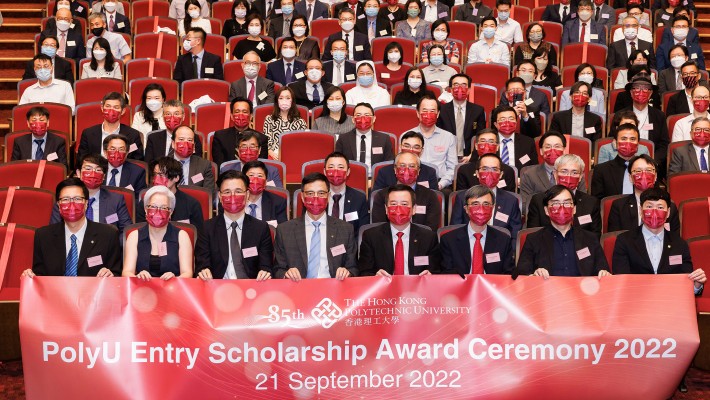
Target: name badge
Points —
{"points": [[197, 178], [414, 32], [665, 17], [421, 260], [184, 221], [350, 77], [593, 36], [531, 115], [675, 260], [133, 147], [584, 253], [130, 187], [361, 16], [211, 70], [162, 249], [439, 149], [529, 101], [693, 56], [351, 216], [667, 226], [390, 16], [493, 257], [645, 52], [94, 261], [377, 150], [299, 75], [71, 26], [71, 43], [502, 217], [590, 130], [605, 16], [110, 219], [337, 250], [260, 46], [647, 127], [358, 48], [592, 102], [573, 16], [80, 9], [120, 25], [501, 184], [270, 183], [524, 159], [585, 219], [383, 33], [273, 223], [262, 95], [424, 183], [385, 75], [420, 210], [442, 15], [278, 11], [52, 156], [250, 252]]}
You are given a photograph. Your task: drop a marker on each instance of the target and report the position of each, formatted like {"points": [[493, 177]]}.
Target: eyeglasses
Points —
{"points": [[684, 74], [67, 200], [647, 170], [509, 119], [567, 172], [248, 147], [237, 192], [92, 169], [458, 85], [321, 193], [478, 204], [489, 169], [701, 98], [641, 89], [701, 130], [410, 147], [251, 64], [557, 204], [550, 147], [161, 208]]}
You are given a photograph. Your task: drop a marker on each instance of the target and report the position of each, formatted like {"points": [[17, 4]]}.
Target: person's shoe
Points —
{"points": [[683, 388]]}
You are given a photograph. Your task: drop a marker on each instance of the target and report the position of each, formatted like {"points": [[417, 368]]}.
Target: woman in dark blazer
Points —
{"points": [[306, 47], [564, 121]]}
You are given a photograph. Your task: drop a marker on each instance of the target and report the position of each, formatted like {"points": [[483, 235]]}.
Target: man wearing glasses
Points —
{"points": [[248, 149], [515, 150], [682, 102], [160, 143], [364, 144], [410, 142], [315, 245], [560, 249], [485, 142], [625, 213], [612, 177], [693, 157], [526, 102], [700, 99], [569, 170], [76, 246]]}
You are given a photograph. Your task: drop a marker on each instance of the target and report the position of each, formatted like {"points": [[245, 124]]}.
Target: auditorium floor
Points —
{"points": [[12, 383]]}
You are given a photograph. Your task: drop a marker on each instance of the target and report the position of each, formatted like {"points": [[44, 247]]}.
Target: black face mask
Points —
{"points": [[97, 31]]}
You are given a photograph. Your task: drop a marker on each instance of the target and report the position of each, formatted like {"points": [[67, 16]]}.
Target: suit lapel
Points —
{"points": [[330, 242], [88, 244], [632, 209], [103, 205], [542, 175], [464, 242], [222, 240], [663, 263], [693, 156], [60, 245], [301, 241], [640, 244]]}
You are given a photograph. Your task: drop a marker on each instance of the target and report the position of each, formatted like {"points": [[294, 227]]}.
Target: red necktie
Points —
{"points": [[251, 91], [584, 32], [399, 255], [477, 258]]}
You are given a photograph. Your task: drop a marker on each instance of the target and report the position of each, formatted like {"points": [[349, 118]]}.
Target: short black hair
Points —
{"points": [[489, 18], [172, 137], [412, 134], [459, 75], [111, 137], [69, 182], [94, 159], [504, 108], [241, 100], [503, 3], [255, 164], [655, 194], [202, 33], [491, 155], [336, 154], [115, 96], [43, 57], [38, 110], [553, 192], [314, 177], [400, 187], [246, 136], [644, 157], [427, 97], [169, 166], [232, 174], [363, 104], [680, 18], [626, 127], [50, 37], [516, 79], [550, 134]]}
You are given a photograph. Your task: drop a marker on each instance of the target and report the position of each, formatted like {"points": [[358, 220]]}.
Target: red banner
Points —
{"points": [[437, 337]]}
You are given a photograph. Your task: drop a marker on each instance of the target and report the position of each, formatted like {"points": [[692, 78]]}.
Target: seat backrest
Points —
{"points": [[128, 196], [216, 89], [608, 240], [26, 206], [485, 96], [18, 259], [136, 87], [156, 45], [203, 196], [148, 67], [520, 240], [606, 208], [41, 174], [671, 120], [60, 116], [90, 114], [700, 253], [580, 53], [91, 90], [216, 44], [299, 147], [222, 10], [151, 24], [284, 194], [688, 185], [464, 31], [694, 217], [322, 28], [488, 74], [145, 8], [212, 117], [408, 47], [395, 119], [233, 71]]}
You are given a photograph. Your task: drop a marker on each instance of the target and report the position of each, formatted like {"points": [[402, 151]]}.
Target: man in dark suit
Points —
{"points": [[347, 203], [693, 157], [560, 13], [471, 11], [339, 70], [478, 247], [224, 145], [383, 247], [380, 23], [69, 32], [362, 143], [160, 142], [287, 63], [266, 8], [121, 173], [527, 101], [234, 245], [103, 206], [620, 50], [196, 171], [516, 150], [300, 242], [671, 79], [115, 21], [262, 204], [358, 44], [679, 35], [263, 88], [410, 142], [561, 249], [280, 24], [310, 93], [568, 170], [485, 142], [428, 207], [357, 7], [611, 178], [41, 144], [62, 68], [312, 9], [604, 14], [167, 172], [197, 63], [625, 213], [474, 116], [92, 249], [248, 149], [113, 106], [594, 32], [507, 212], [592, 124], [681, 102]]}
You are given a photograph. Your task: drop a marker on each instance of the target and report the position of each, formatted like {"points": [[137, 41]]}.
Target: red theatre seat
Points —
{"points": [[700, 253], [156, 45], [488, 74], [688, 185], [60, 116], [39, 174], [11, 137], [608, 240], [606, 208], [136, 87], [153, 23], [520, 240], [148, 67], [396, 119], [16, 260], [145, 8], [203, 196], [217, 89], [694, 217], [26, 206], [297, 148]]}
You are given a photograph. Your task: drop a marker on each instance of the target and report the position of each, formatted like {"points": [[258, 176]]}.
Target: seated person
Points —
{"points": [[121, 173], [366, 89], [358, 43], [248, 150], [67, 30], [254, 42], [586, 73], [149, 116], [593, 33], [62, 68], [682, 102], [693, 157], [484, 143], [285, 117], [637, 57], [102, 64], [612, 177], [262, 204], [210, 65], [310, 92], [415, 87], [334, 118], [41, 144], [609, 151], [99, 28], [362, 143], [527, 100], [251, 86], [410, 142], [339, 69], [47, 89], [196, 171], [285, 69], [224, 145], [488, 49], [415, 27], [577, 121], [348, 203], [438, 72]]}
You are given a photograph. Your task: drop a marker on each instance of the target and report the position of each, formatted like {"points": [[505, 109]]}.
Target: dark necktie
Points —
{"points": [[72, 261], [236, 250], [112, 181], [316, 95], [39, 154], [596, 16], [633, 46], [363, 148], [310, 12], [336, 206], [703, 161], [111, 24], [252, 90], [289, 73], [347, 43], [564, 14], [90, 209], [195, 74]]}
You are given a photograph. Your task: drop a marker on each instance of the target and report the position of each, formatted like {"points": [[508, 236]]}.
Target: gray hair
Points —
{"points": [[174, 103], [158, 189], [570, 158], [253, 53], [697, 121], [475, 192], [396, 159], [94, 16]]}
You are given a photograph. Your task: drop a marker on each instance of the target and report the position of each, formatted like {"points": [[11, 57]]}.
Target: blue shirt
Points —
{"points": [[34, 144], [654, 246], [564, 257]]}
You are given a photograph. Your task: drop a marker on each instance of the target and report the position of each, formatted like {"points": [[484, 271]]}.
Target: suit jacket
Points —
{"points": [[535, 179], [533, 126], [608, 178], [320, 9], [684, 159], [442, 11], [377, 250], [386, 177], [382, 24], [360, 42], [272, 174], [290, 248], [506, 214], [562, 122], [100, 240], [276, 26], [465, 12], [694, 50], [276, 72], [211, 67], [110, 205], [346, 144], [693, 36], [552, 14], [572, 30], [456, 254], [430, 216], [356, 202], [122, 24], [631, 257], [259, 6], [524, 146], [155, 146], [359, 10], [610, 13], [224, 144], [131, 175], [678, 104], [538, 252], [301, 95], [212, 248], [238, 88], [92, 142], [617, 55], [666, 81], [55, 144], [659, 136], [187, 209], [200, 166], [623, 101], [587, 216], [623, 215], [62, 70], [77, 51], [474, 120], [273, 208], [348, 75], [466, 175]]}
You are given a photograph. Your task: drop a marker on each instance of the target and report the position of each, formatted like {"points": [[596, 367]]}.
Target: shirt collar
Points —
{"points": [[405, 230], [309, 220], [79, 233], [470, 231], [240, 221], [647, 234]]}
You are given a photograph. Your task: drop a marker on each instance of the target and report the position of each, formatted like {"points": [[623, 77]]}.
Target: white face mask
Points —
{"points": [[394, 56], [288, 53], [440, 35], [186, 45], [630, 33], [414, 83], [154, 105], [347, 26], [63, 26], [194, 14], [680, 33], [63, 7], [239, 13], [250, 71], [99, 54], [335, 105], [299, 31], [110, 6], [314, 75], [589, 78], [254, 30], [284, 105], [585, 15], [677, 61]]}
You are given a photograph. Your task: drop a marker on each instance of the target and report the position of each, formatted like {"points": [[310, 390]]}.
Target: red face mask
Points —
{"points": [[336, 176], [654, 218], [184, 149], [256, 185], [561, 215], [701, 139], [580, 100], [38, 128], [72, 212], [565, 2], [363, 123], [234, 203], [406, 175], [644, 180], [489, 178], [569, 181], [486, 148], [597, 2], [460, 93], [161, 180], [633, 2], [399, 215], [246, 154], [510, 95], [428, 118], [640, 96], [241, 121], [173, 122], [116, 158], [673, 3], [701, 105], [392, 2], [627, 149], [111, 116], [480, 215], [92, 179], [315, 205], [551, 155], [352, 2], [417, 152], [507, 127], [157, 218]]}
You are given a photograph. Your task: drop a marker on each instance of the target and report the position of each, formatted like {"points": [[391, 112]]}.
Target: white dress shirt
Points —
{"points": [[231, 273], [258, 208], [430, 14], [681, 130], [654, 246], [79, 239], [341, 202], [509, 31], [642, 116], [405, 244], [472, 242], [368, 146], [58, 91], [323, 270], [118, 174]]}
